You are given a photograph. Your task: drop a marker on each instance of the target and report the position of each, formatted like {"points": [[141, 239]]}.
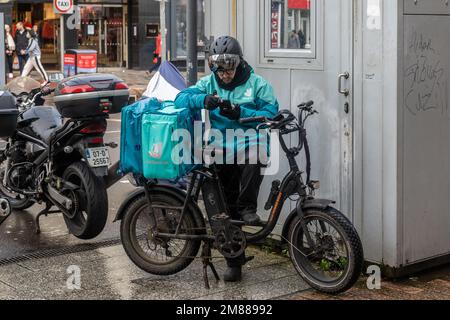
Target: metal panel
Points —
{"points": [[331, 132], [2, 49], [426, 148], [426, 7]]}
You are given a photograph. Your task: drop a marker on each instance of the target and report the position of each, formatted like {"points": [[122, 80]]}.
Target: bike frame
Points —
{"points": [[292, 184]]}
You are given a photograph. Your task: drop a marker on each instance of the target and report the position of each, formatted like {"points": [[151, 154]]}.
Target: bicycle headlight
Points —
{"points": [[314, 185]]}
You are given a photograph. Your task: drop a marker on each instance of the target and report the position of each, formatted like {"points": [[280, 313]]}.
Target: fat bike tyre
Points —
{"points": [[303, 256]]}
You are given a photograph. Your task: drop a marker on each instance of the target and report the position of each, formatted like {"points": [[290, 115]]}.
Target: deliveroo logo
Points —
{"points": [[156, 151], [249, 93]]}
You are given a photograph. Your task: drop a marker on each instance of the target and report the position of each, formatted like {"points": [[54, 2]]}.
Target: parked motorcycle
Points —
{"points": [[61, 163]]}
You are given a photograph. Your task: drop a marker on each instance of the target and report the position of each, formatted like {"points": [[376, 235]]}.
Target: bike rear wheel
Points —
{"points": [[155, 255], [326, 250]]}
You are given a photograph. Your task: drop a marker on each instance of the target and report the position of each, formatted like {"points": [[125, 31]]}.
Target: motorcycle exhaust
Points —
{"points": [[5, 210]]}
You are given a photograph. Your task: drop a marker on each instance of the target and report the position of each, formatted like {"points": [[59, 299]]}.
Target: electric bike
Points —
{"points": [[163, 228]]}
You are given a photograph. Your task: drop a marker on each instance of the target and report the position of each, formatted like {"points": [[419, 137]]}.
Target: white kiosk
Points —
{"points": [[379, 73]]}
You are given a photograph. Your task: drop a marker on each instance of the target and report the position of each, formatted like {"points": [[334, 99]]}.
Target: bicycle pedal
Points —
{"points": [[249, 258]]}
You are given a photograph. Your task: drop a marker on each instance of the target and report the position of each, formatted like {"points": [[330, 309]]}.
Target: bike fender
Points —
{"points": [[128, 200], [320, 204], [167, 189]]}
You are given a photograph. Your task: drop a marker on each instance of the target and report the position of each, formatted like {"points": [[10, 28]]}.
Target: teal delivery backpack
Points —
{"points": [[131, 135], [167, 135]]}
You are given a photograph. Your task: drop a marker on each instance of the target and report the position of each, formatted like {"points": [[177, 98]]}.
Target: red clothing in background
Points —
{"points": [[157, 52]]}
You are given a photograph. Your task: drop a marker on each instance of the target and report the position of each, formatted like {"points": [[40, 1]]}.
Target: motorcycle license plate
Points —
{"points": [[98, 157]]}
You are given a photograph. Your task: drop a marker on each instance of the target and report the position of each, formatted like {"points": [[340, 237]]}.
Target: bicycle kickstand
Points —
{"points": [[45, 212], [207, 262]]}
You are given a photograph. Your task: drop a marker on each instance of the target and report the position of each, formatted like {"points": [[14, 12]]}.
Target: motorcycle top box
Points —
{"points": [[8, 114], [91, 95]]}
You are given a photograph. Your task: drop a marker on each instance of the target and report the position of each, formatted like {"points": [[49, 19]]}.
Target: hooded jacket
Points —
{"points": [[255, 97], [33, 48]]}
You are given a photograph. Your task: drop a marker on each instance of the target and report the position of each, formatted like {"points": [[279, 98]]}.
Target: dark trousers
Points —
{"points": [[22, 60], [9, 63], [241, 184], [156, 65]]}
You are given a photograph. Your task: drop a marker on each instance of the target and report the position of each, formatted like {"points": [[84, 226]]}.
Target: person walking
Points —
{"points": [[21, 45], [34, 60], [10, 47], [156, 56], [37, 33]]}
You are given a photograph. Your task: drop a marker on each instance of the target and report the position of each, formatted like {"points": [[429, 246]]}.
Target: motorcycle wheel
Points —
{"points": [[154, 255], [326, 250], [90, 211]]}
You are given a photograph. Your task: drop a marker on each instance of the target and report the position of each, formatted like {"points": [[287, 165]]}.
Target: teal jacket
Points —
{"points": [[256, 98]]}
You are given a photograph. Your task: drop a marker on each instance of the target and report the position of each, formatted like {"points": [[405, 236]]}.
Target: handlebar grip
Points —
{"points": [[252, 120], [306, 104]]}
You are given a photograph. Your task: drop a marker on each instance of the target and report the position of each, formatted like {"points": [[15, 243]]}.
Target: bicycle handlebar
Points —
{"points": [[306, 104], [253, 120]]}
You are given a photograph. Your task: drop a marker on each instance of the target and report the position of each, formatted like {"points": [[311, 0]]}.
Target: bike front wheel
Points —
{"points": [[326, 250]]}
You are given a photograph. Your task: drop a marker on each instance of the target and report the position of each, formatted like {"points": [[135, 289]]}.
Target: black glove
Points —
{"points": [[232, 113], [212, 102]]}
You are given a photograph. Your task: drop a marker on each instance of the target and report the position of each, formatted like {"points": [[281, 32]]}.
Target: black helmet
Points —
{"points": [[226, 45], [225, 53]]}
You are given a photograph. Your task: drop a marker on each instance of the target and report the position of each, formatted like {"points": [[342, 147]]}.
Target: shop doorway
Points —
{"points": [[103, 28], [49, 29]]}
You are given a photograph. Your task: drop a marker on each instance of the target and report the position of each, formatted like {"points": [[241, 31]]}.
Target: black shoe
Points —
{"points": [[251, 219], [233, 274]]}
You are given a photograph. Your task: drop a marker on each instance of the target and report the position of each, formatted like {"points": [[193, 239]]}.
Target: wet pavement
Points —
{"points": [[17, 233], [36, 266], [106, 273]]}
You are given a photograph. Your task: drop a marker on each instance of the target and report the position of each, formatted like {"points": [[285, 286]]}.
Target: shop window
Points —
{"points": [[291, 31], [179, 27]]}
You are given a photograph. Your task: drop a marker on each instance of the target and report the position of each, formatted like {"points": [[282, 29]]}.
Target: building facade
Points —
{"points": [[123, 32]]}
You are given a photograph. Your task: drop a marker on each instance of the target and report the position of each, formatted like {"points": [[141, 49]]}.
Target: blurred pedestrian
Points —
{"points": [[34, 61], [302, 39], [21, 45], [294, 41], [10, 47], [156, 55]]}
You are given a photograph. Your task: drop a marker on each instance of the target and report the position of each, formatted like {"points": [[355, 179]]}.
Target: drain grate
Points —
{"points": [[50, 253]]}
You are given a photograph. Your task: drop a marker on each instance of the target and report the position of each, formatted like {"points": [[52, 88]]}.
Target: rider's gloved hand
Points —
{"points": [[232, 113], [212, 102]]}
